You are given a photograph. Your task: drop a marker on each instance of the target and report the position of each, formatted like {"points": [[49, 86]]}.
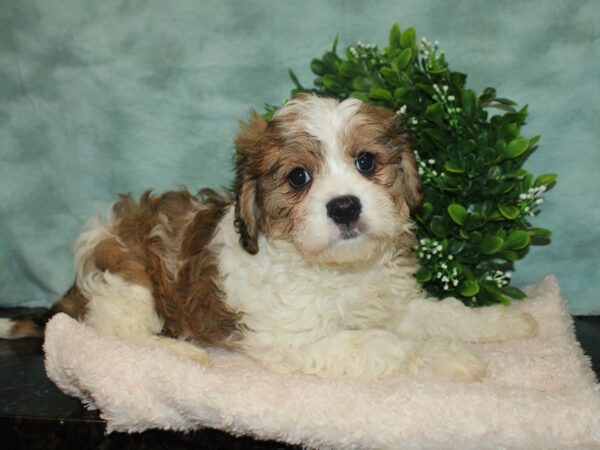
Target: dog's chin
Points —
{"points": [[348, 247]]}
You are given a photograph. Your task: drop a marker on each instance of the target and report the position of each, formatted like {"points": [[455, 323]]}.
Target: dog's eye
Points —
{"points": [[299, 178], [365, 162]]}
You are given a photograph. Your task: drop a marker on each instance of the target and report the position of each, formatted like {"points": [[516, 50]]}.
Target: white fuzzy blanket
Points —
{"points": [[539, 394]]}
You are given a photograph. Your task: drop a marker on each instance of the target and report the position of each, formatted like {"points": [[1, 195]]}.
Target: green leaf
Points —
{"points": [[458, 213], [517, 240], [452, 167], [399, 93], [335, 43], [350, 69], [489, 93], [423, 275], [404, 59], [362, 84], [494, 173], [505, 101], [517, 147], [495, 292], [425, 211], [380, 94], [491, 244], [295, 79], [437, 227], [316, 65], [540, 232], [508, 211], [435, 113], [469, 288], [514, 292], [409, 38], [509, 255], [395, 34], [438, 136], [331, 83], [469, 103], [390, 75], [547, 178]]}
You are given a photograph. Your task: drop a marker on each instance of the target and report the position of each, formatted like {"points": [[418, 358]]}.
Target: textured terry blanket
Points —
{"points": [[539, 393]]}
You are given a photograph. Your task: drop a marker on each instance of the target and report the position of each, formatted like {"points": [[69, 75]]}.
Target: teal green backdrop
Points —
{"points": [[101, 97]]}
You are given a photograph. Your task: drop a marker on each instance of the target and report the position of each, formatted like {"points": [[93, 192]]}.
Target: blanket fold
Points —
{"points": [[539, 393]]}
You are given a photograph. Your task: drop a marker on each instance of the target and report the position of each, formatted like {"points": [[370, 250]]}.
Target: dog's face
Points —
{"points": [[337, 179]]}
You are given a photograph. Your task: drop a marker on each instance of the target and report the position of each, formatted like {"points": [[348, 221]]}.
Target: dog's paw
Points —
{"points": [[447, 360], [499, 323], [521, 325], [190, 351], [184, 350]]}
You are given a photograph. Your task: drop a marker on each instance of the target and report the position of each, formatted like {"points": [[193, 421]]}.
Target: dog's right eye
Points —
{"points": [[298, 178]]}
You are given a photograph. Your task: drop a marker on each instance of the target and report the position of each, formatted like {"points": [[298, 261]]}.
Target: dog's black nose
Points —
{"points": [[344, 209]]}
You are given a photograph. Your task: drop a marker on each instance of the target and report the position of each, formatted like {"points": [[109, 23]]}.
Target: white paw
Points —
{"points": [[447, 360], [182, 349], [521, 325], [190, 351]]}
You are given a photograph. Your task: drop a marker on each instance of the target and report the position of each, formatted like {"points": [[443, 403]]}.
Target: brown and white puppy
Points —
{"points": [[309, 268]]}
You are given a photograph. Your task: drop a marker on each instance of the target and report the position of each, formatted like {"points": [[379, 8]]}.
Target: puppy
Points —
{"points": [[308, 267]]}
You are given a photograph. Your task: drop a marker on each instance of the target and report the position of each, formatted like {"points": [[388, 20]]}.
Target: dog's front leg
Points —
{"points": [[371, 354], [425, 318]]}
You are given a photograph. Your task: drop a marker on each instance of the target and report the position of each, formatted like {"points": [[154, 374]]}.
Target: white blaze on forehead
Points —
{"points": [[322, 118]]}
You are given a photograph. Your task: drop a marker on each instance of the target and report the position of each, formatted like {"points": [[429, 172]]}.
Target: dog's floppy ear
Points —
{"points": [[248, 144], [412, 181]]}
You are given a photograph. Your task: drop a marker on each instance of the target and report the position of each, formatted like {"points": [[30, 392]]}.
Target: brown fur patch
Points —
{"points": [[73, 303], [266, 155], [160, 243], [26, 328], [381, 132]]}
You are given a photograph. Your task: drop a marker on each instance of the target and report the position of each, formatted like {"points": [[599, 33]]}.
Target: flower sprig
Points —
{"points": [[530, 201], [447, 100]]}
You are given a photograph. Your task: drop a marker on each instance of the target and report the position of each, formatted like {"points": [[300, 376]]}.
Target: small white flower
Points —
{"points": [[450, 257]]}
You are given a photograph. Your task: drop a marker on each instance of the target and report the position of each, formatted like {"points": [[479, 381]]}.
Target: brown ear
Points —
{"points": [[248, 144], [412, 181]]}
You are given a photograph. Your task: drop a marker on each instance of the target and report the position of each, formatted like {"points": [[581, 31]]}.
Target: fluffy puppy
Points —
{"points": [[308, 268]]}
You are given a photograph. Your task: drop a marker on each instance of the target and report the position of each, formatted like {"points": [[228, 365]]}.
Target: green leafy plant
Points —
{"points": [[474, 223]]}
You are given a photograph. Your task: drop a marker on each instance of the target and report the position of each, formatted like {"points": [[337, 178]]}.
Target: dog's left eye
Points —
{"points": [[365, 162]]}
